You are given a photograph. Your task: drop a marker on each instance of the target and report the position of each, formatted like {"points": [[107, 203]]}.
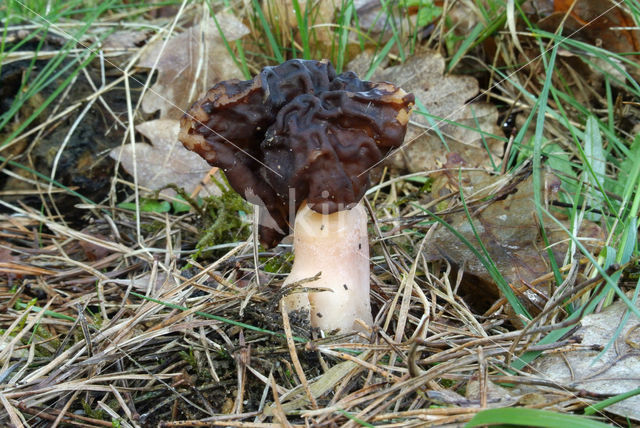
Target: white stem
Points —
{"points": [[337, 246]]}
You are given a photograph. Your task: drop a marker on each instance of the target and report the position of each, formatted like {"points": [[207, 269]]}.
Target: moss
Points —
{"points": [[225, 218], [153, 227], [278, 263], [447, 383], [190, 358], [90, 412]]}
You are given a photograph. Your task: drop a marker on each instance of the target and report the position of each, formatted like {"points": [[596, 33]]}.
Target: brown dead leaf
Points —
{"points": [[504, 216], [165, 161], [374, 19], [613, 372], [599, 22], [443, 96], [190, 63], [380, 21], [124, 39], [93, 252]]}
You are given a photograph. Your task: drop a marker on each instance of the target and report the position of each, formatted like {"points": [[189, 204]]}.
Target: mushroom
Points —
{"points": [[299, 141]]}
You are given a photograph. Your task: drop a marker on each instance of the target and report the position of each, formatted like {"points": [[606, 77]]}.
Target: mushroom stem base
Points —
{"points": [[337, 246]]}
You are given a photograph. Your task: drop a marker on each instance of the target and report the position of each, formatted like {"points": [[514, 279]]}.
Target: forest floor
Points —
{"points": [[503, 232]]}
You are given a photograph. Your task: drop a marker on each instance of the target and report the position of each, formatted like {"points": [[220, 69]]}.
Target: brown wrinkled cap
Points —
{"points": [[297, 132]]}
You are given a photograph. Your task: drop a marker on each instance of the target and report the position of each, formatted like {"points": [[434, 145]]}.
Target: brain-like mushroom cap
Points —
{"points": [[297, 132]]}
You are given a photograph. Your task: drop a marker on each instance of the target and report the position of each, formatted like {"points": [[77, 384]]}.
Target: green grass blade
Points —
{"points": [[491, 266], [609, 401], [611, 284], [239, 59], [628, 245], [267, 31], [394, 29], [486, 262], [465, 46], [621, 324], [541, 105], [17, 105], [618, 63], [355, 419], [47, 179], [532, 417], [52, 71], [344, 25], [378, 59], [630, 176], [303, 27], [422, 110], [594, 161], [48, 313]]}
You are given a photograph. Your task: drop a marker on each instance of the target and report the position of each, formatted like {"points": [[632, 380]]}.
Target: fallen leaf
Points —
{"points": [[504, 217], [92, 251], [615, 371], [165, 161], [601, 23], [375, 18], [190, 63], [124, 39], [444, 97]]}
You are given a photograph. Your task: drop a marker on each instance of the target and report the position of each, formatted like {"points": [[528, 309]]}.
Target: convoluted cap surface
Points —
{"points": [[297, 132]]}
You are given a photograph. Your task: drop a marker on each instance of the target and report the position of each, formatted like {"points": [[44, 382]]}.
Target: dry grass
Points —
{"points": [[138, 337], [107, 320]]}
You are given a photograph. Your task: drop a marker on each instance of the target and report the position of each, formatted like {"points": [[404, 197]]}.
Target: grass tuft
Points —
{"points": [[154, 312]]}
